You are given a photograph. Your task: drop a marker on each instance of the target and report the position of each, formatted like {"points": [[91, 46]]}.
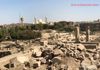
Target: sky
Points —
{"points": [[54, 10]]}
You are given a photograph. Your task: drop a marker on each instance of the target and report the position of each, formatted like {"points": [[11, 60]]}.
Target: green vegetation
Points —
{"points": [[64, 26], [32, 31], [18, 32], [59, 26]]}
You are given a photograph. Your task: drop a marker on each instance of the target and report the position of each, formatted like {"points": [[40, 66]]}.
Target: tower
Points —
{"points": [[46, 21], [35, 21]]}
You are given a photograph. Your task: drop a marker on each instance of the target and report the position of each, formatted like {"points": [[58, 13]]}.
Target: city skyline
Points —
{"points": [[54, 10]]}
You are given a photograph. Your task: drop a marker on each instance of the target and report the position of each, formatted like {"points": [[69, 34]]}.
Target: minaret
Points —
{"points": [[35, 21], [77, 33], [46, 21], [21, 20], [87, 33]]}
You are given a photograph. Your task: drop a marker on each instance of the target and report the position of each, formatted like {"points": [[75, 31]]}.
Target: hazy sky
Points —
{"points": [[11, 10]]}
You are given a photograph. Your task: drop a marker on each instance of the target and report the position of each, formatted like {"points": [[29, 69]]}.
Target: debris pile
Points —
{"points": [[52, 52]]}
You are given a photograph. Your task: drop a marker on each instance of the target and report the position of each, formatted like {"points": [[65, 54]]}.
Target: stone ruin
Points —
{"points": [[54, 52]]}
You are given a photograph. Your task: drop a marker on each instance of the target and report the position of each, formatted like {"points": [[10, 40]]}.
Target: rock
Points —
{"points": [[43, 61], [27, 64], [49, 68], [80, 47], [58, 51], [37, 51], [96, 56], [23, 58], [91, 67], [64, 67], [56, 60], [35, 65]]}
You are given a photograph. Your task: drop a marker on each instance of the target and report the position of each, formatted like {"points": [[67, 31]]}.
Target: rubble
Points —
{"points": [[53, 51]]}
